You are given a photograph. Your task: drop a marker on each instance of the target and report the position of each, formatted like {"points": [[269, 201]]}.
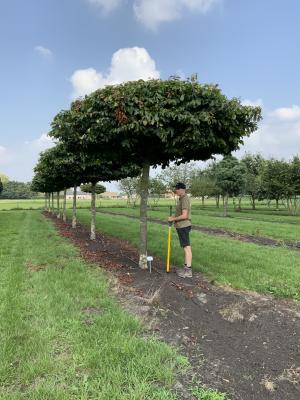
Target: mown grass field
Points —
{"points": [[52, 346], [264, 269], [257, 226]]}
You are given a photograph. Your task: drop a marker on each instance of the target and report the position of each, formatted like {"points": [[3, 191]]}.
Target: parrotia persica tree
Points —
{"points": [[156, 122], [93, 166], [62, 169], [59, 170]]}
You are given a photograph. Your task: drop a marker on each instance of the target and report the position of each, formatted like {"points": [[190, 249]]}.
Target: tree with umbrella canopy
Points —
{"points": [[153, 123], [59, 169]]}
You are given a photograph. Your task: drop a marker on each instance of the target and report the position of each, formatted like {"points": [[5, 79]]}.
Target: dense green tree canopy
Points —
{"points": [[152, 123], [230, 176], [59, 168], [156, 122]]}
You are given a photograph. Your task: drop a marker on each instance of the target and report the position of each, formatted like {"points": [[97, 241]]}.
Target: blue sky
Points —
{"points": [[55, 50]]}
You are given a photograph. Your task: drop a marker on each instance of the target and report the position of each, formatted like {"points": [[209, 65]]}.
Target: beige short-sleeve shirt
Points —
{"points": [[184, 203]]}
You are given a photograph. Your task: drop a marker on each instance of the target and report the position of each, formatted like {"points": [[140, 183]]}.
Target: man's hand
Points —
{"points": [[183, 216]]}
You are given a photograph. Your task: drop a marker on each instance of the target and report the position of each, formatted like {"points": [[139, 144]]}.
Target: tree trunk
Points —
{"points": [[234, 204], [93, 212], [277, 204], [52, 201], [58, 205], [45, 201], [143, 216], [225, 202], [295, 205], [74, 217], [239, 204], [253, 202], [202, 200], [65, 206], [218, 201]]}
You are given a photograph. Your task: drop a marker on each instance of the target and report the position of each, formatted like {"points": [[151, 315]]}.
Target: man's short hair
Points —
{"points": [[180, 185]]}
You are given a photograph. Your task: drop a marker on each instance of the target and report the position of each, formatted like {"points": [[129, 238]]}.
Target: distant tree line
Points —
{"points": [[15, 190], [252, 176]]}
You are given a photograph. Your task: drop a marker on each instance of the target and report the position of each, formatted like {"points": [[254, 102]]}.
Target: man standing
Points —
{"points": [[183, 227]]}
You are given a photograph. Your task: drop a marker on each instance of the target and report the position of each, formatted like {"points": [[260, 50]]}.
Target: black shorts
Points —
{"points": [[184, 236]]}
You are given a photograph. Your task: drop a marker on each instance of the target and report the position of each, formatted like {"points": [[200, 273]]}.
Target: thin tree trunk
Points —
{"points": [[225, 202], [52, 198], [49, 206], [277, 204], [202, 200], [65, 206], [239, 204], [74, 217], [58, 205], [93, 212], [143, 216], [45, 201], [253, 202], [295, 205], [234, 203], [218, 201]]}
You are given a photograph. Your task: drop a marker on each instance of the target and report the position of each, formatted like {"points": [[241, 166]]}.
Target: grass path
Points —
{"points": [[62, 334], [280, 231]]}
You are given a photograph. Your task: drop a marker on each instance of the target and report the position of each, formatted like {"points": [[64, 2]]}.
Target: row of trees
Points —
{"points": [[120, 131], [252, 176]]}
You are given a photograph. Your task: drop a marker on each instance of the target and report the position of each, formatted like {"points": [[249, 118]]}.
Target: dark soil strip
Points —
{"points": [[262, 241], [241, 343]]}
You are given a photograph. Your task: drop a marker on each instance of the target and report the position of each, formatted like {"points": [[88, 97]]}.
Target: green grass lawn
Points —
{"points": [[51, 346], [257, 227], [34, 204], [230, 262]]}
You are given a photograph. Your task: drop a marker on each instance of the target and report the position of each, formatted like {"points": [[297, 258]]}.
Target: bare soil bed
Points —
{"points": [[241, 343]]}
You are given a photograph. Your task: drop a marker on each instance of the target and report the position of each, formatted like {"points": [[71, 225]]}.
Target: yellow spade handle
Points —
{"points": [[169, 249]]}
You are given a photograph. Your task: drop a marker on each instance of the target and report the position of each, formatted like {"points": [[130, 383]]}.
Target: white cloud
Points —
{"points": [[153, 12], [43, 51], [40, 144], [287, 113], [18, 161], [106, 6], [253, 103], [278, 134], [126, 65]]}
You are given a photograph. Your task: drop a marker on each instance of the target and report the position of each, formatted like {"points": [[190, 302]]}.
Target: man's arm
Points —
{"points": [[181, 217]]}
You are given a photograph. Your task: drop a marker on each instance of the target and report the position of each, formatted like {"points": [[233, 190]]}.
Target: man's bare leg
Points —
{"points": [[188, 255]]}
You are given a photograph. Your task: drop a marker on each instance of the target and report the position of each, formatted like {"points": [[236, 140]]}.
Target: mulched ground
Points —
{"points": [[261, 241], [241, 343]]}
